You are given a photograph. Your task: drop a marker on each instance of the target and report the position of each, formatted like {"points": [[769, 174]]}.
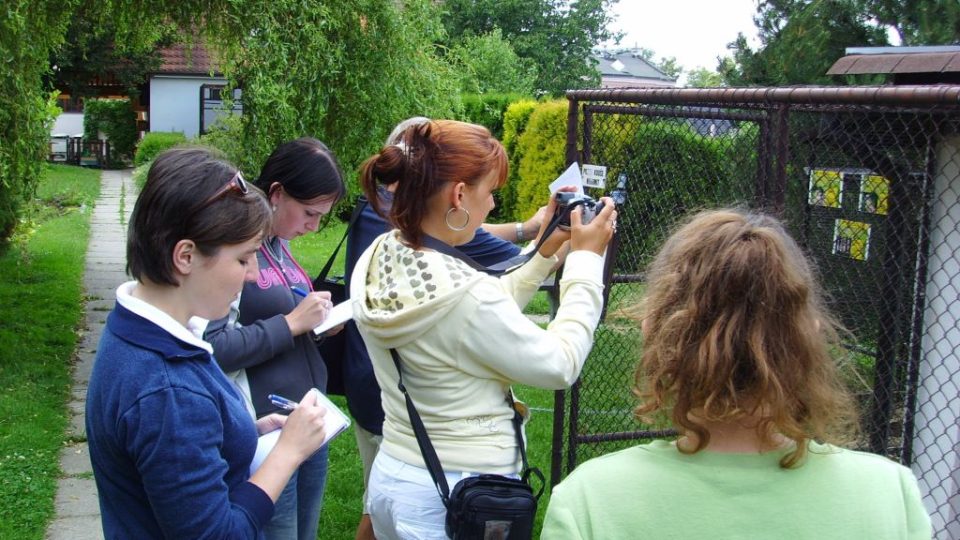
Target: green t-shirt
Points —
{"points": [[654, 491]]}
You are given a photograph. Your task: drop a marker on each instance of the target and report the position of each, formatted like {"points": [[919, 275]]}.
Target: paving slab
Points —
{"points": [[77, 497], [75, 459]]}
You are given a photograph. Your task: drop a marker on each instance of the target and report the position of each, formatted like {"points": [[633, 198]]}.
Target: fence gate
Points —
{"points": [[867, 180]]}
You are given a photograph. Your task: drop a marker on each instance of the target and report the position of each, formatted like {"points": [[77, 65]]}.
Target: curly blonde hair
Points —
{"points": [[735, 326]]}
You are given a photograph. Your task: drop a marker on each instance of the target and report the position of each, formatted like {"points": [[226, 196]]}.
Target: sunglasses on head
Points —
{"points": [[236, 182]]}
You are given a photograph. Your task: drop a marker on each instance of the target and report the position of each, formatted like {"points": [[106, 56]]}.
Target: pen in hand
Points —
{"points": [[299, 292], [282, 402]]}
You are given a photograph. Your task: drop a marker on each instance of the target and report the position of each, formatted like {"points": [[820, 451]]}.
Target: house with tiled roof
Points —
{"points": [[628, 69], [182, 95]]}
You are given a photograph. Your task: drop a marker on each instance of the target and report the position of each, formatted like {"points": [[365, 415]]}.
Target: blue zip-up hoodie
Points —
{"points": [[170, 440]]}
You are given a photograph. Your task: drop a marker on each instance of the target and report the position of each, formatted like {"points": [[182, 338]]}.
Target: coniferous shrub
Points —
{"points": [[542, 148]]}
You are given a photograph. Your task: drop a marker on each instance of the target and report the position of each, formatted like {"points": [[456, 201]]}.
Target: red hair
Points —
{"points": [[427, 157]]}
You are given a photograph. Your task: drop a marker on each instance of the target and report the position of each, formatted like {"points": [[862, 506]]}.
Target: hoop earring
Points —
{"points": [[446, 219]]}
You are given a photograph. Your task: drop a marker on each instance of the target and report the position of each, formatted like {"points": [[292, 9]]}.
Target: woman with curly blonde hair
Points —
{"points": [[737, 352]]}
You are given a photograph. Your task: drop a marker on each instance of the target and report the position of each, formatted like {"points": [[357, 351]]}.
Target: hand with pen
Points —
{"points": [[310, 312], [303, 433]]}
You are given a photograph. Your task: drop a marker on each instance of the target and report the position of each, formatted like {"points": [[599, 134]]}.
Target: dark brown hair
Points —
{"points": [[429, 155], [175, 205], [306, 169], [735, 326]]}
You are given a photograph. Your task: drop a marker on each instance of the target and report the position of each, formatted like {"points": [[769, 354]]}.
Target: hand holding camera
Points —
{"points": [[588, 223], [592, 223], [559, 235]]}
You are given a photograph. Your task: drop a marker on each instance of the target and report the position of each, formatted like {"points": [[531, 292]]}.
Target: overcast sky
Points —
{"points": [[696, 32]]}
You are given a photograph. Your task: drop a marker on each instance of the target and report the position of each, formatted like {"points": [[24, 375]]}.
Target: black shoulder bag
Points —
{"points": [[489, 506], [332, 348]]}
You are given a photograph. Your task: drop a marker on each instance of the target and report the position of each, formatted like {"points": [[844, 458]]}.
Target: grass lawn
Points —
{"points": [[41, 307]]}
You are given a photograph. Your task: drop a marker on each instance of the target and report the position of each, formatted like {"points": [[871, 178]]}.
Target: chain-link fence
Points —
{"points": [[867, 180]]}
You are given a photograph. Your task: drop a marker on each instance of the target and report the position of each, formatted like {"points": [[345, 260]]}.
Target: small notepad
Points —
{"points": [[340, 314], [335, 423]]}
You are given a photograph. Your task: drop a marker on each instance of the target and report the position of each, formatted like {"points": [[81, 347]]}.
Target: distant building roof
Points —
{"points": [[907, 64], [627, 68], [182, 59]]}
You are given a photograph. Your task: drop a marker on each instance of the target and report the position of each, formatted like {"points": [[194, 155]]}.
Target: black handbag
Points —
{"points": [[485, 507], [333, 348]]}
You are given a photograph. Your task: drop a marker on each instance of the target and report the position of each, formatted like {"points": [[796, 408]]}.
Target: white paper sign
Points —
{"points": [[594, 176], [569, 177]]}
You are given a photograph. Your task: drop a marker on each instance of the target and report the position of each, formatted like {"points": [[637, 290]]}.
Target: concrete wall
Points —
{"points": [[936, 443], [175, 103]]}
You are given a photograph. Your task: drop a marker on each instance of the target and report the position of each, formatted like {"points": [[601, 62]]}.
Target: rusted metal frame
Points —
{"points": [[776, 193], [890, 310], [627, 436], [765, 162], [644, 110], [572, 436], [559, 397], [586, 153], [834, 95], [629, 278], [919, 304]]}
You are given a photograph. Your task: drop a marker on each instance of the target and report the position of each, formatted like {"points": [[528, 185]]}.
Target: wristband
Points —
{"points": [[519, 231]]}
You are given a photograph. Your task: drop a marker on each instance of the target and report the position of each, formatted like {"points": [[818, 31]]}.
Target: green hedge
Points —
{"points": [[515, 120], [488, 110], [672, 170], [542, 149], [155, 142], [116, 119]]}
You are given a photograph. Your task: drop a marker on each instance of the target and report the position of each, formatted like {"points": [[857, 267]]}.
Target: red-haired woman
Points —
{"points": [[460, 333]]}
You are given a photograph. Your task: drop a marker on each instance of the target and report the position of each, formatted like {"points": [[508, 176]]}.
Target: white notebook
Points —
{"points": [[340, 314], [335, 423]]}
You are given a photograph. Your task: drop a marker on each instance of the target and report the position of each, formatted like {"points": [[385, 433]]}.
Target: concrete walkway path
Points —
{"points": [[77, 509]]}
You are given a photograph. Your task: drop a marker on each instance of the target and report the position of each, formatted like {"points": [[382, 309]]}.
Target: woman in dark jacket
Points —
{"points": [[267, 343]]}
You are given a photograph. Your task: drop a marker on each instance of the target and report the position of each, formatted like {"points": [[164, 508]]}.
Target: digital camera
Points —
{"points": [[567, 201]]}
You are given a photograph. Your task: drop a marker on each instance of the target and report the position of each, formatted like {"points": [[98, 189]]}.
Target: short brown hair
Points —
{"points": [[735, 325], [175, 205], [429, 155]]}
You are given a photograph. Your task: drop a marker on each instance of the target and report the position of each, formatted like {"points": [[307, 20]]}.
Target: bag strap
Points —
{"points": [[430, 458], [517, 427], [357, 209], [500, 268]]}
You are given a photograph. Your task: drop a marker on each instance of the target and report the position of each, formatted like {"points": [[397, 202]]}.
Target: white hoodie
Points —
{"points": [[463, 340]]}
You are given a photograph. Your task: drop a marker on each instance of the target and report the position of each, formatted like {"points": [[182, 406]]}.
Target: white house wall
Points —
{"points": [[175, 103], [68, 124]]}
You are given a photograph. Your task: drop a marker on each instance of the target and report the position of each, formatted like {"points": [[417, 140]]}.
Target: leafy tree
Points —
{"points": [[488, 63], [558, 36], [29, 30], [344, 72], [801, 39], [670, 67], [702, 77], [919, 22], [90, 51]]}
